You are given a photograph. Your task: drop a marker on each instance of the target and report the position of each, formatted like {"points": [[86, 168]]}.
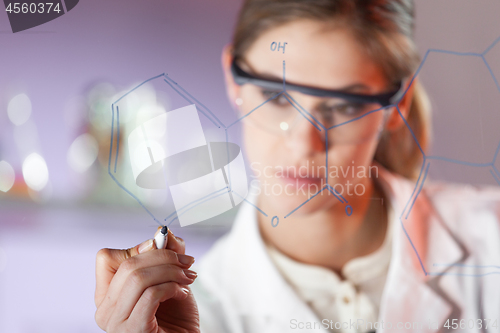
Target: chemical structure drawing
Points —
{"points": [[162, 147], [427, 160]]}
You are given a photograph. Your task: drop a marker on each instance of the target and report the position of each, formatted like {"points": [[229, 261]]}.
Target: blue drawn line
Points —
{"points": [[326, 156], [409, 129], [248, 202], [467, 265], [269, 99], [496, 154], [332, 192], [495, 177], [192, 202], [173, 213], [339, 195], [420, 189], [459, 162], [113, 177], [169, 223], [154, 77], [302, 204], [337, 192], [133, 196], [491, 73], [413, 246], [425, 59], [414, 76], [117, 134], [416, 185], [194, 99], [496, 171], [362, 116], [417, 72], [112, 133], [464, 54], [296, 108], [199, 203], [305, 111], [491, 46], [462, 274], [191, 102], [284, 87]]}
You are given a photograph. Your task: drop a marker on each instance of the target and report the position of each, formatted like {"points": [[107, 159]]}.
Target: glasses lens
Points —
{"points": [[345, 121], [350, 122], [269, 110]]}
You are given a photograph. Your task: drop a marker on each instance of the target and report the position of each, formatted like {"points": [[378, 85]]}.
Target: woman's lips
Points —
{"points": [[300, 181]]}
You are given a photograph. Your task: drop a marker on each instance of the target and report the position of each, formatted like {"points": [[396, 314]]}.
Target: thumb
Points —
{"points": [[109, 260]]}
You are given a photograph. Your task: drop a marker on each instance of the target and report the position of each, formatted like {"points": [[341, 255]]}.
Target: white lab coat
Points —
{"points": [[240, 290]]}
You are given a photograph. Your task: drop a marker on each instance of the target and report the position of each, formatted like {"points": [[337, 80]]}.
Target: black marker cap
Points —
{"points": [[164, 230]]}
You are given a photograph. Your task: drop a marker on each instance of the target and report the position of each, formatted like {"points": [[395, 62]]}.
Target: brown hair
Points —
{"points": [[385, 28]]}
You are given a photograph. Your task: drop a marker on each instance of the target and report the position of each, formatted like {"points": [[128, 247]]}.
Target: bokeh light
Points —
{"points": [[284, 126], [82, 153], [7, 176], [19, 109], [35, 172]]}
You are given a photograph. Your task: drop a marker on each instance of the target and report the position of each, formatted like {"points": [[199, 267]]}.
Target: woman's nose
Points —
{"points": [[305, 138]]}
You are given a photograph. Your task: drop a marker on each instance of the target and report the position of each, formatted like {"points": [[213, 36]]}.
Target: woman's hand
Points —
{"points": [[144, 289]]}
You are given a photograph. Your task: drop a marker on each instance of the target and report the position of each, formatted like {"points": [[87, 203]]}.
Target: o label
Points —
{"points": [[277, 221]]}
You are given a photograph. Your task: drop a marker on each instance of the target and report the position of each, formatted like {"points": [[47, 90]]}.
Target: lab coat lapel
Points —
{"points": [[270, 305], [411, 294]]}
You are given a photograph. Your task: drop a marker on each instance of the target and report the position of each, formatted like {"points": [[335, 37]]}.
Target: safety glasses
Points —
{"points": [[343, 117], [241, 77]]}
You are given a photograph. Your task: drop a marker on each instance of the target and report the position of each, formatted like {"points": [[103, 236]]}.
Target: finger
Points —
{"points": [[109, 260], [148, 304], [174, 243], [144, 278], [107, 263], [149, 259], [138, 262]]}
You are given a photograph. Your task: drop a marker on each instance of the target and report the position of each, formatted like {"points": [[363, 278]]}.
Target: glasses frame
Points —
{"points": [[385, 99]]}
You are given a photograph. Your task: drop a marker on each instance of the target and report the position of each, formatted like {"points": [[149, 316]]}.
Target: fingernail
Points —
{"points": [[185, 259], [185, 290], [190, 274], [145, 246]]}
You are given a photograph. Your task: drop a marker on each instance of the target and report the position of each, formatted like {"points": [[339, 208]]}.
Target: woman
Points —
{"points": [[342, 261]]}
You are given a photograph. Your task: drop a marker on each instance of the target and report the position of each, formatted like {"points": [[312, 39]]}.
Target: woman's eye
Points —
{"points": [[280, 100], [348, 109]]}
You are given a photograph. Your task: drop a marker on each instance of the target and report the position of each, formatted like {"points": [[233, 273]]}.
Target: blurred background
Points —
{"points": [[58, 205]]}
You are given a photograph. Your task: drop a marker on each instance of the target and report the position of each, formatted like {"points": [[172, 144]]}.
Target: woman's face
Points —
{"points": [[287, 153]]}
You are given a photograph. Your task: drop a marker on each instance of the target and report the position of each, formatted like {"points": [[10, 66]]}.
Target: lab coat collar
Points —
{"points": [[271, 299]]}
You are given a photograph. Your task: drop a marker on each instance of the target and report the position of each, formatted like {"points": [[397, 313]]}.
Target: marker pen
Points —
{"points": [[161, 238]]}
